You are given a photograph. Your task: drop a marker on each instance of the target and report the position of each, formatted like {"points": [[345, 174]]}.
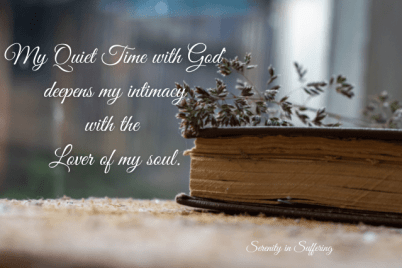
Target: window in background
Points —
{"points": [[328, 38], [348, 54], [302, 32]]}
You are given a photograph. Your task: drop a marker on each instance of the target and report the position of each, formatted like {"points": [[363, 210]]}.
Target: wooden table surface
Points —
{"points": [[104, 232]]}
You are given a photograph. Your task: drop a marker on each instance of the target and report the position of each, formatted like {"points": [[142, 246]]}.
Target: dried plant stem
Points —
{"points": [[355, 121], [308, 99], [218, 107], [251, 83]]}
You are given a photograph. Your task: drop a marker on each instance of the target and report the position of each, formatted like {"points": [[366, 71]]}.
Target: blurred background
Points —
{"points": [[358, 38]]}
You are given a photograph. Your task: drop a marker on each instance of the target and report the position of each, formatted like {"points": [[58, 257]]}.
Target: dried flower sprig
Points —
{"points": [[217, 107], [382, 112]]}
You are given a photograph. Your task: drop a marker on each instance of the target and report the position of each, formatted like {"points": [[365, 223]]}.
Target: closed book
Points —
{"points": [[352, 170]]}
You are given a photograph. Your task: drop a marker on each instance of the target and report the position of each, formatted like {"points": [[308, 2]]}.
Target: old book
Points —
{"points": [[350, 169]]}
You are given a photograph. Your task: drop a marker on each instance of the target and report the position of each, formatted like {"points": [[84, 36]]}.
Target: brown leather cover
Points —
{"points": [[391, 135], [295, 210]]}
